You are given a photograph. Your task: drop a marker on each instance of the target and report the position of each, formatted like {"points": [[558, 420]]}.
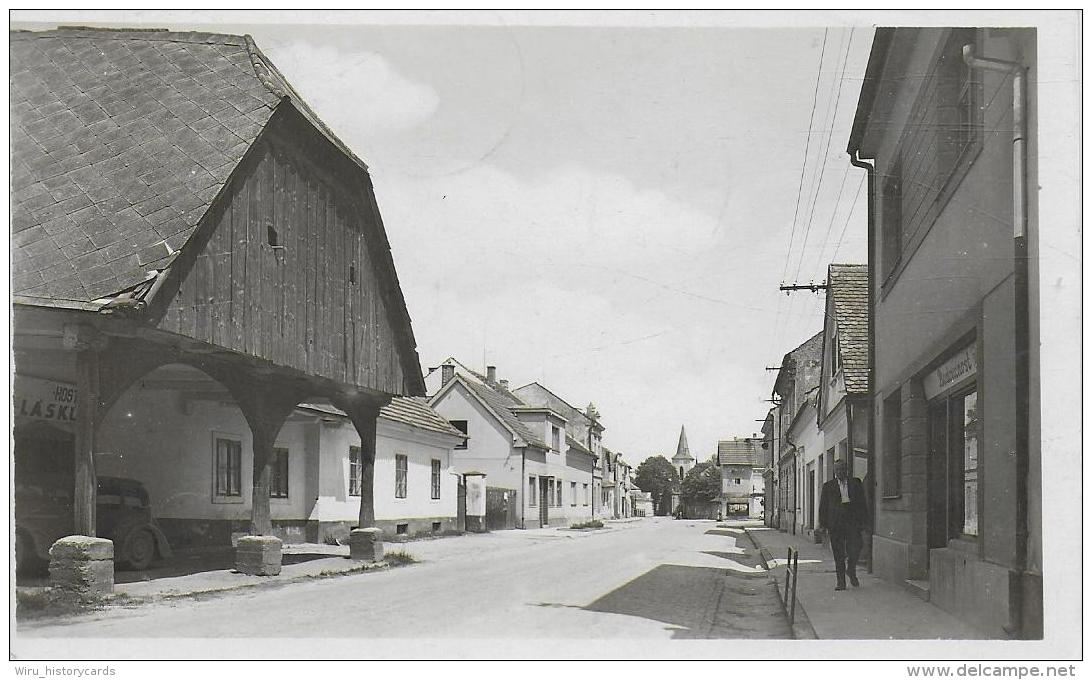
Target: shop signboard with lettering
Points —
{"points": [[958, 369], [49, 400]]}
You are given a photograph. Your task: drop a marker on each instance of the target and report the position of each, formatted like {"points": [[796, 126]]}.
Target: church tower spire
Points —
{"points": [[682, 460]]}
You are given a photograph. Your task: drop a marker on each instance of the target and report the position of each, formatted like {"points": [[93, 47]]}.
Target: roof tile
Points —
{"points": [[848, 295]]}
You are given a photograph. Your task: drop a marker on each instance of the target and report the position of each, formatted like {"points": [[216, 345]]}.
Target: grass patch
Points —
{"points": [[49, 602], [398, 558], [592, 524]]}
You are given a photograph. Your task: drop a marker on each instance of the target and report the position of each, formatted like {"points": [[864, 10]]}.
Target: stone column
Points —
{"points": [[366, 544], [363, 413], [82, 566]]}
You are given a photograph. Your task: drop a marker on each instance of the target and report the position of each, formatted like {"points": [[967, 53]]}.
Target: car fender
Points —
{"points": [[163, 546]]}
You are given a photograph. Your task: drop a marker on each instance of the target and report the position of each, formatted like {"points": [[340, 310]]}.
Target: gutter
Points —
{"points": [[870, 169], [1022, 320]]}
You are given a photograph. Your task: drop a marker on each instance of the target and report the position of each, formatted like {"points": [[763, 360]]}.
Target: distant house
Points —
{"points": [[584, 427], [843, 403], [742, 484], [797, 376], [534, 476], [642, 503], [813, 464]]}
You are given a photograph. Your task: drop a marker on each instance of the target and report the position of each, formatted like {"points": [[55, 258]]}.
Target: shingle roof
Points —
{"points": [[413, 411], [574, 444], [738, 452], [120, 141], [500, 402], [848, 294], [809, 351]]}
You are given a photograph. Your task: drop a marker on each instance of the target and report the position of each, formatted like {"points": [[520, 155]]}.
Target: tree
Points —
{"points": [[658, 476], [701, 485]]}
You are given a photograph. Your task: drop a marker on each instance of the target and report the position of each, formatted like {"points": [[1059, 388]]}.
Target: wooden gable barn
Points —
{"points": [[174, 201]]}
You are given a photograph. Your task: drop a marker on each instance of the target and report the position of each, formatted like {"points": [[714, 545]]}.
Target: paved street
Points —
{"points": [[655, 578]]}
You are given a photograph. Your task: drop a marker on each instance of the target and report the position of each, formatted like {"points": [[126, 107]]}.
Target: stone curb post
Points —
{"points": [[258, 555], [82, 565], [366, 545]]}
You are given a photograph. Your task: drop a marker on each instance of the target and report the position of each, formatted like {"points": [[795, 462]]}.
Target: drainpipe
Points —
{"points": [[523, 477], [870, 169], [1022, 321]]}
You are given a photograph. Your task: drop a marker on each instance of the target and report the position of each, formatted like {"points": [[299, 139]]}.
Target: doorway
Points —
{"points": [[544, 501], [953, 468]]}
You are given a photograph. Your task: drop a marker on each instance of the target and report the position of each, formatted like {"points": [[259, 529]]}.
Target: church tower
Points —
{"points": [[682, 460]]}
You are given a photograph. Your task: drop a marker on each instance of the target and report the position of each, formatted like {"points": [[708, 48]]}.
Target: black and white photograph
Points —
{"points": [[546, 335]]}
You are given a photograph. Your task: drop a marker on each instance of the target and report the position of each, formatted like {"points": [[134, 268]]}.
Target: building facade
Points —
{"points": [[843, 402], [742, 483], [537, 476], [185, 217], [946, 129], [796, 377]]}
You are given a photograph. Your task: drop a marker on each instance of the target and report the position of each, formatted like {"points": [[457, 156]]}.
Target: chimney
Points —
{"points": [[447, 372], [490, 375], [504, 385]]}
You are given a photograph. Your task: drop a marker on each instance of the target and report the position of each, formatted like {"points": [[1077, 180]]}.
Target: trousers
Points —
{"points": [[845, 543]]}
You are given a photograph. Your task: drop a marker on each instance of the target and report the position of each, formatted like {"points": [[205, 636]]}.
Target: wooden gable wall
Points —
{"points": [[288, 273]]}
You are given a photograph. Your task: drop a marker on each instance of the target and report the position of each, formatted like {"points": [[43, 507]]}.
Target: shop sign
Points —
{"points": [[957, 369], [38, 399]]}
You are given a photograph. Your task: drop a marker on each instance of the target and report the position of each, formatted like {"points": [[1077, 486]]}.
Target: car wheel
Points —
{"points": [[139, 549]]}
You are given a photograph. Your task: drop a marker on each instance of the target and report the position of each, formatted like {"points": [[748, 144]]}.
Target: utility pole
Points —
{"points": [[813, 287]]}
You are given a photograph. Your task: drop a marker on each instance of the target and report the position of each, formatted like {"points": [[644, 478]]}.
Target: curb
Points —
{"points": [[801, 627]]}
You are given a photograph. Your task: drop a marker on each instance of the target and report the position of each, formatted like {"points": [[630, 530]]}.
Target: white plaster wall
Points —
{"points": [[147, 436], [336, 505], [809, 439]]}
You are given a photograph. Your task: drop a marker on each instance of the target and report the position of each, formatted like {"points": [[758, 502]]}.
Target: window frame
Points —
{"points": [[465, 429], [217, 496], [532, 491], [436, 472], [572, 494], [356, 471], [401, 476], [277, 453]]}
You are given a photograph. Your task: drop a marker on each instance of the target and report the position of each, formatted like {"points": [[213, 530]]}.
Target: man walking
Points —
{"points": [[842, 514]]}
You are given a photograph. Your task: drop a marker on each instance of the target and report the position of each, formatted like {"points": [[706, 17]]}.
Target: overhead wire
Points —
{"points": [[825, 158], [781, 312]]}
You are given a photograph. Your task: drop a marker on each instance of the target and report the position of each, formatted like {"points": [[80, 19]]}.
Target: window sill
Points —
{"points": [[891, 497], [227, 500]]}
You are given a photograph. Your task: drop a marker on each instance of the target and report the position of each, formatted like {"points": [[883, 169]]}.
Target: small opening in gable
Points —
{"points": [[271, 235], [352, 273]]}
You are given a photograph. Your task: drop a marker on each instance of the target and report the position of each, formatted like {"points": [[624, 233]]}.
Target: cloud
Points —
{"points": [[356, 93], [601, 290]]}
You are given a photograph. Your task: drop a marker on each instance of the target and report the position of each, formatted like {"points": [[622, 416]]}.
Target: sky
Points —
{"points": [[607, 210]]}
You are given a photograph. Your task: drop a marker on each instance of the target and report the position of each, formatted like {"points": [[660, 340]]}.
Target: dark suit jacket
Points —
{"points": [[831, 513]]}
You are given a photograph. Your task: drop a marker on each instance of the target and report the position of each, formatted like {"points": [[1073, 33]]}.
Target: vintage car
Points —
{"points": [[122, 515], [43, 508]]}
